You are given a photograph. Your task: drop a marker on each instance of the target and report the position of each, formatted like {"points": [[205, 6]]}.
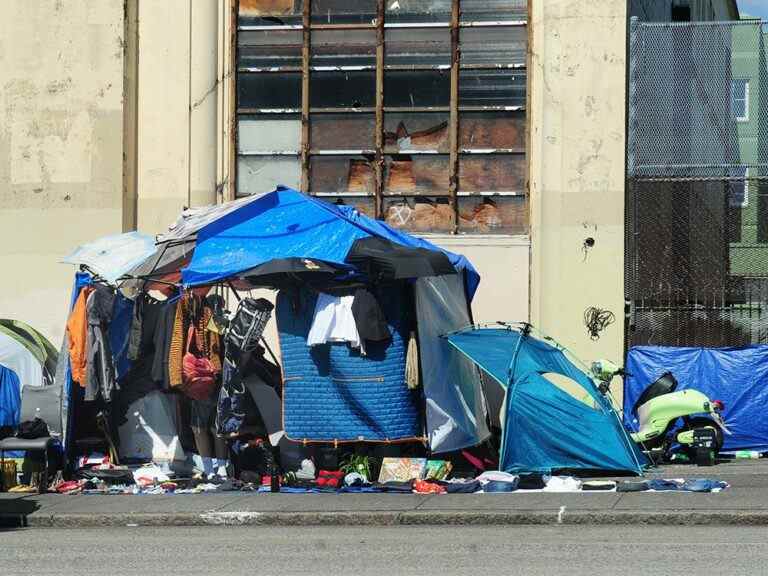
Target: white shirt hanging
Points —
{"points": [[333, 321]]}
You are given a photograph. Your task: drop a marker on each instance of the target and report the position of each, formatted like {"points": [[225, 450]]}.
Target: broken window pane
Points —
{"points": [[342, 131], [421, 214], [497, 45], [492, 87], [407, 174], [270, 12], [341, 174], [484, 130], [258, 174], [269, 48], [363, 204], [494, 215], [492, 173], [493, 10], [405, 131], [279, 132], [269, 91], [269, 7], [427, 46], [416, 89], [356, 89], [418, 10], [343, 48], [343, 11]]}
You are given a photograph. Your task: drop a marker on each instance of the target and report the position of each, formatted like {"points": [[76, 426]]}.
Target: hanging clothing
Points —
{"points": [[161, 342], [137, 328], [333, 321], [100, 376], [370, 321], [77, 330], [208, 341], [176, 347]]}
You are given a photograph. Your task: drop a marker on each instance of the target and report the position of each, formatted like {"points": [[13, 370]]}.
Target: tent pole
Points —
{"points": [[154, 266], [264, 341], [234, 291], [511, 385]]}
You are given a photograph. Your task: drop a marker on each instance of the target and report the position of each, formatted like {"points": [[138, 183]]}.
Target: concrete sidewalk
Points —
{"points": [[745, 503]]}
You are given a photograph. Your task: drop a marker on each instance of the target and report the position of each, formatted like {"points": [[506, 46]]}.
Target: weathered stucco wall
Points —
{"points": [[177, 110], [61, 89], [577, 143], [503, 263]]}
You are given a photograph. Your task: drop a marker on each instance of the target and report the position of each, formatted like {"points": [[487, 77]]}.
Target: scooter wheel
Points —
{"points": [[707, 423]]}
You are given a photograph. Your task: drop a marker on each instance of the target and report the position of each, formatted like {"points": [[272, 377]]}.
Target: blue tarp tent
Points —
{"points": [[545, 427], [736, 376], [288, 224]]}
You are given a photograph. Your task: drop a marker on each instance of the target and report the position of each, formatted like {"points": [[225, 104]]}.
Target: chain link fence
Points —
{"points": [[697, 189]]}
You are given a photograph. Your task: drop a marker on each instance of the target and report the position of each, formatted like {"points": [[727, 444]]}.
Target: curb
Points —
{"points": [[413, 518]]}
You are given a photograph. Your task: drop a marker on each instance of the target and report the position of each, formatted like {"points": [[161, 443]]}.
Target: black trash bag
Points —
{"points": [[31, 429]]}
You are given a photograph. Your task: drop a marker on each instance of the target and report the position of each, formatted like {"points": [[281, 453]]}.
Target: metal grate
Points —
{"points": [[697, 190], [697, 94], [696, 272]]}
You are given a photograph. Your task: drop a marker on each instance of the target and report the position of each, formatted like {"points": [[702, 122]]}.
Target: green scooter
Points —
{"points": [[658, 409]]}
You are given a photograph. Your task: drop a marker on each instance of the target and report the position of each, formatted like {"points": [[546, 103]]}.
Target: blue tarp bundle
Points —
{"points": [[736, 376], [546, 428], [288, 224], [10, 397]]}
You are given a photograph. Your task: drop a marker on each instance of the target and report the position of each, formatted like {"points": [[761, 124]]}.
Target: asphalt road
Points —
{"points": [[566, 551]]}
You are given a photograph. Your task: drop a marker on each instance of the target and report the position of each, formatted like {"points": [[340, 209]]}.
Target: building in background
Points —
{"points": [[748, 203], [497, 128]]}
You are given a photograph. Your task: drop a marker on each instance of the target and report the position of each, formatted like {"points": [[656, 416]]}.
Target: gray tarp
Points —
{"points": [[178, 243], [456, 408], [150, 429]]}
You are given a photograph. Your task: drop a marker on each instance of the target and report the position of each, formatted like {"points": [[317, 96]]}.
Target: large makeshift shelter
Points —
{"points": [[546, 427], [286, 238]]}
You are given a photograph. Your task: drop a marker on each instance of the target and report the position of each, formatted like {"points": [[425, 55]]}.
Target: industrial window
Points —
{"points": [[740, 100], [411, 110]]}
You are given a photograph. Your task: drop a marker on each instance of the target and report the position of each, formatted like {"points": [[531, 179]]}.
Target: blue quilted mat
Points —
{"points": [[331, 392]]}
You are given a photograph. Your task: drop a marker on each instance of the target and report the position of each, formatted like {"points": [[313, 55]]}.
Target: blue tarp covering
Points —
{"points": [[546, 428], [119, 333], [737, 376], [10, 397], [288, 224]]}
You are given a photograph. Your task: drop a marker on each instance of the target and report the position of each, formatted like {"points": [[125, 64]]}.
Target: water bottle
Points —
{"points": [[747, 454]]}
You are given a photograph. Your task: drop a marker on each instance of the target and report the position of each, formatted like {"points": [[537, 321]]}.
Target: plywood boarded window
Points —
{"points": [[412, 111]]}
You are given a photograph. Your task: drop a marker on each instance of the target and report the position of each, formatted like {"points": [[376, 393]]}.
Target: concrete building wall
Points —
{"points": [[61, 118], [180, 81], [503, 264], [577, 156]]}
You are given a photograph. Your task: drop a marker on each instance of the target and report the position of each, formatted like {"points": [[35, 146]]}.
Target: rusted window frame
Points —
{"points": [[454, 109]]}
